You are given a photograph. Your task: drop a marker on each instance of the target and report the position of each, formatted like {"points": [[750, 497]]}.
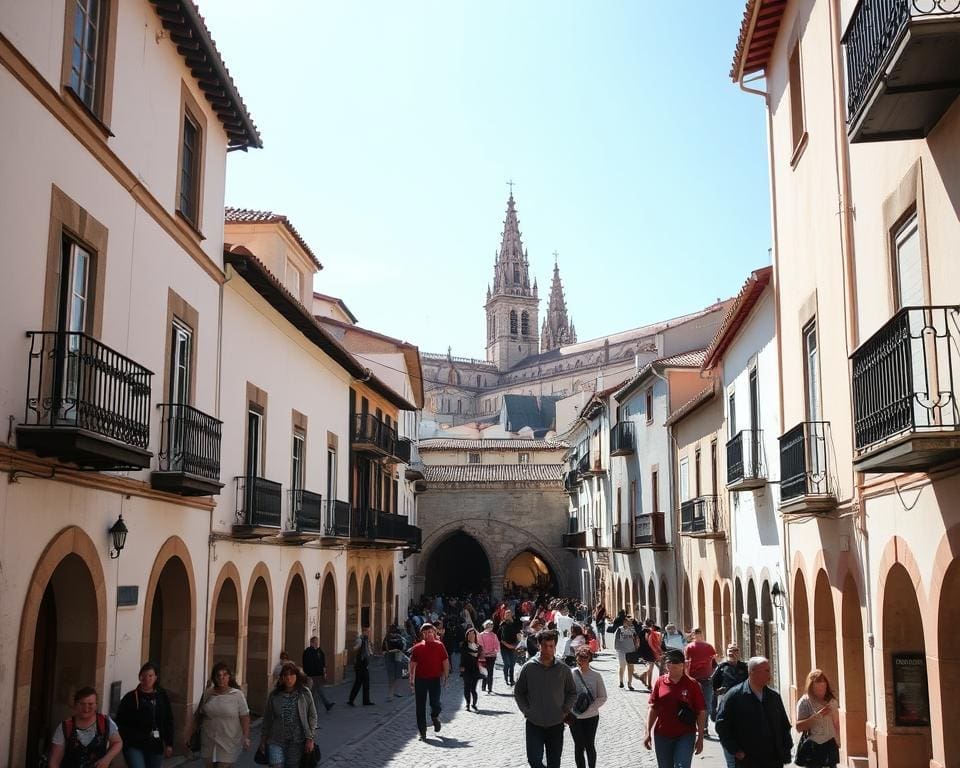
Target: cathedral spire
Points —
{"points": [[511, 274], [558, 328]]}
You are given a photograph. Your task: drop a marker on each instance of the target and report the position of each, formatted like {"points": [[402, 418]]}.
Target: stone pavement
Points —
{"points": [[385, 735]]}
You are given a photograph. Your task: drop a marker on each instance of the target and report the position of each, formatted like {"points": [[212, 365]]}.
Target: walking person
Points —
{"points": [[393, 659], [625, 642], [88, 739], [677, 715], [545, 693], [730, 672], [583, 727], [818, 719], [600, 619], [701, 658], [361, 668], [429, 669], [489, 646], [145, 721], [510, 630], [470, 667], [655, 641], [223, 719], [289, 720], [752, 722], [315, 667], [672, 639]]}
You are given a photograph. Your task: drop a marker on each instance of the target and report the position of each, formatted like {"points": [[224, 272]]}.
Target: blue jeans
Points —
{"points": [[137, 758], [509, 658], [287, 755], [544, 738], [674, 751], [707, 688], [731, 760]]}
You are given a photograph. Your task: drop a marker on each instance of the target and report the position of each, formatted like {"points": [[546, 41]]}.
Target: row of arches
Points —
{"points": [[639, 599]]}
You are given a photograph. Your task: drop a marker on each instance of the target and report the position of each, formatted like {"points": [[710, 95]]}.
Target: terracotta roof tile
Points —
{"points": [[494, 473], [250, 216], [758, 33], [737, 314], [490, 443]]}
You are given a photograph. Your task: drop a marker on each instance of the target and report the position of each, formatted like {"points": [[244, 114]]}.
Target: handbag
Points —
{"points": [[584, 697], [814, 755], [260, 756], [311, 759], [195, 739], [685, 714]]}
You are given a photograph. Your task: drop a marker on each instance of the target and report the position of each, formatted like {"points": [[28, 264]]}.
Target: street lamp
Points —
{"points": [[776, 594], [118, 532]]}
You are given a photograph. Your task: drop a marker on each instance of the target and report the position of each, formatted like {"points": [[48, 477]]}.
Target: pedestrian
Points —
{"points": [[490, 646], [393, 659], [600, 619], [564, 624], [223, 719], [818, 719], [509, 634], [677, 715], [361, 667], [655, 641], [533, 646], [429, 669], [578, 639], [88, 739], [470, 667], [545, 693], [625, 642], [730, 672], [315, 667], [284, 658], [289, 720], [752, 722], [583, 726], [672, 639], [701, 658], [145, 721]]}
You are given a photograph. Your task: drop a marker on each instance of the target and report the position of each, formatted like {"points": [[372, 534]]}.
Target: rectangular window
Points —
{"points": [[86, 51], [909, 270], [189, 204], [649, 405], [297, 465], [732, 415], [655, 492], [684, 480], [74, 287], [293, 280], [180, 356], [713, 467], [812, 371], [331, 474], [696, 474], [796, 96], [473, 458], [254, 442], [524, 458]]}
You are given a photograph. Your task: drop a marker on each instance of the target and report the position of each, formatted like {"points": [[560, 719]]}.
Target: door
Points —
{"points": [[179, 394], [253, 462], [754, 451], [815, 437], [72, 320]]}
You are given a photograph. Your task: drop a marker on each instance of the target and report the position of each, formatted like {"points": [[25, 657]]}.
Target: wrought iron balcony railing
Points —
{"points": [[804, 468], [745, 463], [571, 480], [375, 436], [574, 540], [259, 502], [306, 512], [403, 450], [648, 530], [623, 439], [189, 456], [622, 539], [86, 403], [371, 525], [702, 517], [905, 386]]}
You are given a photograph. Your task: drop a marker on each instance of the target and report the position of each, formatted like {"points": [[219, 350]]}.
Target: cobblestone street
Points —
{"points": [[385, 735]]}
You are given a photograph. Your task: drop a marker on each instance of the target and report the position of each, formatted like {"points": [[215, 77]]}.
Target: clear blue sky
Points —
{"points": [[391, 128]]}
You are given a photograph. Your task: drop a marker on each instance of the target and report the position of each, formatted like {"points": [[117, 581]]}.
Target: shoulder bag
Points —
{"points": [[584, 697]]}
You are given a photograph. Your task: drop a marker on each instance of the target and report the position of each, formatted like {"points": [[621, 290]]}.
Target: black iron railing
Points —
{"points": [[369, 430], [583, 463], [414, 537], [306, 511], [803, 461], [403, 450], [905, 376], [571, 480], [622, 539], [876, 28], [648, 529], [622, 439], [189, 441], [745, 456], [336, 520], [701, 515], [259, 502], [75, 381], [574, 540], [373, 524]]}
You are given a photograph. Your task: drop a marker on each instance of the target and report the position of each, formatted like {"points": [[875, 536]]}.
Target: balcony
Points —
{"points": [[305, 517], [414, 538], [575, 540], [259, 508], [381, 530], [413, 472], [373, 437], [189, 457], [701, 518], [594, 465], [621, 538], [571, 481], [622, 439], [404, 449], [905, 385], [336, 520], [746, 468], [86, 404], [903, 57], [583, 463], [805, 483], [649, 532]]}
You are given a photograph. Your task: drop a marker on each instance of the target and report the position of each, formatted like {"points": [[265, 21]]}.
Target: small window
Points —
{"points": [[908, 264], [812, 366], [254, 442], [684, 480], [732, 415], [180, 359], [796, 96], [297, 466], [190, 149], [293, 280], [649, 404], [525, 324], [473, 458], [524, 458], [88, 51], [513, 322], [331, 473], [655, 492]]}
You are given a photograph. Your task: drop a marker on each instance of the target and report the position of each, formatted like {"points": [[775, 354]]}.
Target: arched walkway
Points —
{"points": [[393, 611], [727, 617], [295, 618], [824, 629], [352, 626], [768, 630], [619, 595], [801, 631], [328, 623], [687, 616], [226, 625], [755, 637], [366, 602], [718, 637], [948, 643], [378, 612], [529, 570], [854, 674], [628, 599], [742, 635], [258, 661], [457, 565], [664, 602], [652, 603], [702, 611]]}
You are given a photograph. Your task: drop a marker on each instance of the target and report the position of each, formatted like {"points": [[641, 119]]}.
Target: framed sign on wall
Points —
{"points": [[911, 702]]}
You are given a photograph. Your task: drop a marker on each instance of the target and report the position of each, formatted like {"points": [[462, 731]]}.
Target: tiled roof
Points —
{"points": [[490, 443], [758, 33], [250, 216], [494, 473], [692, 404], [337, 301], [692, 359], [737, 314]]}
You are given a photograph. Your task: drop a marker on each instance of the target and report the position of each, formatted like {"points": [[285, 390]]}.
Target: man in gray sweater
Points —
{"points": [[545, 692]]}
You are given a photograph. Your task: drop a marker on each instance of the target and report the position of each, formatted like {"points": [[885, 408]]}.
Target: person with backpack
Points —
{"points": [[145, 720], [89, 739]]}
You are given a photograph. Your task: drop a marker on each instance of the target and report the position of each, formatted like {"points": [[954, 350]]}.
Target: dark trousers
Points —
{"points": [[470, 688], [361, 678], [509, 659], [422, 688], [540, 738], [491, 662], [584, 734]]}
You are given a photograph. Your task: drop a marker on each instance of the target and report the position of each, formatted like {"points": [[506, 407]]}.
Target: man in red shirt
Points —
{"points": [[677, 715], [701, 658], [429, 669]]}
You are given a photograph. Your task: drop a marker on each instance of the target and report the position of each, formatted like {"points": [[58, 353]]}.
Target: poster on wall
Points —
{"points": [[910, 700]]}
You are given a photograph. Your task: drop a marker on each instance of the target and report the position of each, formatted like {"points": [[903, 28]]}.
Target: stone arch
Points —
{"points": [[533, 544], [619, 594], [295, 613], [378, 610], [702, 609], [743, 638], [67, 588], [687, 614], [652, 601], [169, 625], [352, 626], [366, 600], [854, 670], [717, 605], [258, 614], [801, 629], [664, 602], [327, 623], [947, 662], [393, 611], [455, 560], [824, 628], [753, 646], [727, 616], [223, 642]]}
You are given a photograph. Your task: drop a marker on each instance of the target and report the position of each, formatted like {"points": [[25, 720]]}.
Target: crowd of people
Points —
{"points": [[552, 640]]}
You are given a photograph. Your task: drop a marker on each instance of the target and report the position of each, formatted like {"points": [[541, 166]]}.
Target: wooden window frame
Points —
{"points": [[655, 489], [100, 114], [190, 109], [798, 122], [179, 310], [648, 404], [256, 399]]}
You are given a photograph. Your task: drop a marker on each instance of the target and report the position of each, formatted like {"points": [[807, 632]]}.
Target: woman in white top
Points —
{"points": [[583, 727], [224, 719], [818, 715]]}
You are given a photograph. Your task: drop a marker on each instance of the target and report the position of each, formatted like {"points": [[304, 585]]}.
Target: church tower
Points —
{"points": [[558, 329], [512, 306]]}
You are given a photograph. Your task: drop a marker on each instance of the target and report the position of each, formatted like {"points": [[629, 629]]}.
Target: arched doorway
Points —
{"points": [[366, 602], [824, 629], [378, 612], [652, 602], [619, 595], [226, 626], [854, 673], [948, 616], [628, 599], [664, 602], [702, 611], [754, 643], [353, 611], [458, 565], [767, 630], [328, 624], [908, 738], [727, 616], [258, 646], [687, 617], [295, 618], [64, 650], [801, 631], [641, 591], [392, 610], [743, 637], [529, 571], [718, 637]]}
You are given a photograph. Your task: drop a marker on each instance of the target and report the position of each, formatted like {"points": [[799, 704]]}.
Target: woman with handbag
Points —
{"points": [[145, 720], [591, 695], [818, 720], [222, 721], [289, 720], [625, 642], [470, 667], [677, 716]]}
